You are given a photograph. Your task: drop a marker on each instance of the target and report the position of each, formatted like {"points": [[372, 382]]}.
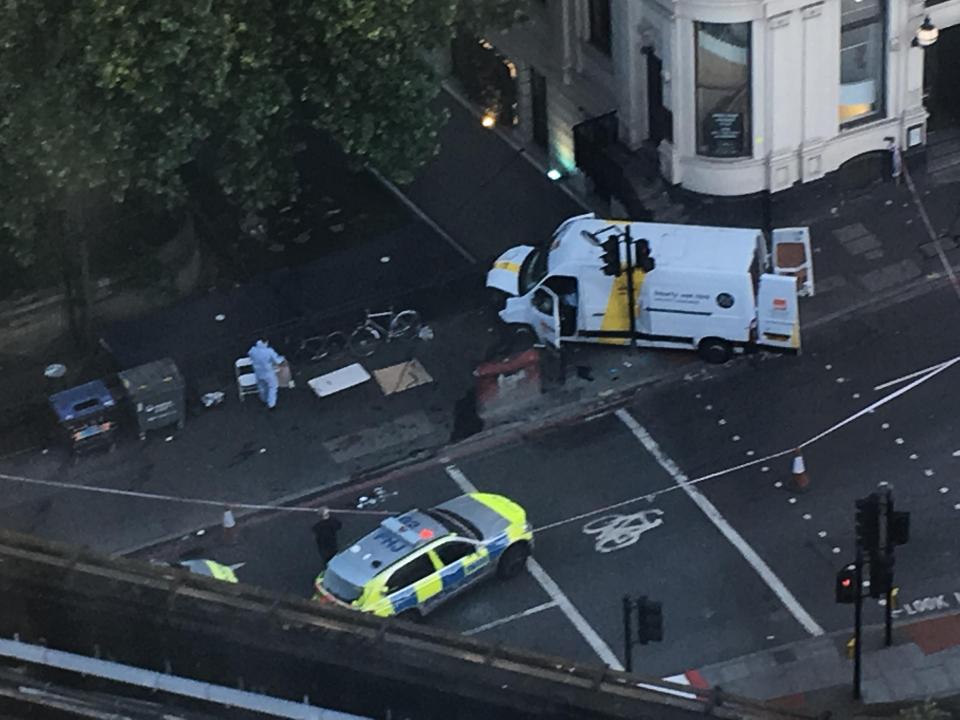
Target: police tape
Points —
{"points": [[650, 496], [872, 407], [180, 499]]}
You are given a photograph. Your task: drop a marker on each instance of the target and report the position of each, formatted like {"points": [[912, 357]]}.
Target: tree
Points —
{"points": [[487, 15], [113, 98]]}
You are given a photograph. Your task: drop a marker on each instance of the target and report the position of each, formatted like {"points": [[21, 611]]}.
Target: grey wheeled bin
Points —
{"points": [[157, 394]]}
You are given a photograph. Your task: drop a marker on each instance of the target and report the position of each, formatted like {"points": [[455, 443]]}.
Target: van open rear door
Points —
{"points": [[778, 318], [793, 256]]}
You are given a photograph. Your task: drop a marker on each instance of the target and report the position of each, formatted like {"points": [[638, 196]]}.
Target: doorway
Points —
{"points": [[660, 120], [941, 90]]}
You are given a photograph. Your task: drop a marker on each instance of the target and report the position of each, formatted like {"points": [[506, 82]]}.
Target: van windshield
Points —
{"points": [[533, 270]]}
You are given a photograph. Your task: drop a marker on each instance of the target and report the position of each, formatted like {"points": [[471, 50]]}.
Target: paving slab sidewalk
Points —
{"points": [[816, 674], [241, 453]]}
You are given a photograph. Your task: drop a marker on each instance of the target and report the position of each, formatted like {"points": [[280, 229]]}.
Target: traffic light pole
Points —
{"points": [[888, 550], [631, 301], [627, 634], [649, 625], [857, 625]]}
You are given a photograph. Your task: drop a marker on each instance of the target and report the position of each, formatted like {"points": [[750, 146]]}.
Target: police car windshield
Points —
{"points": [[454, 523], [533, 270], [340, 588]]}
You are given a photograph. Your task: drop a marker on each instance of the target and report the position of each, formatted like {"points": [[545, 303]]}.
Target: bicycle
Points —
{"points": [[318, 347], [369, 334]]}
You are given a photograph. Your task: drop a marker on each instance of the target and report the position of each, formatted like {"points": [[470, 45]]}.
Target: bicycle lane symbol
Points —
{"points": [[615, 532]]}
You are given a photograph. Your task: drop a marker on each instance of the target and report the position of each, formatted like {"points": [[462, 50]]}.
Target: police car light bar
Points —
{"points": [[396, 526]]}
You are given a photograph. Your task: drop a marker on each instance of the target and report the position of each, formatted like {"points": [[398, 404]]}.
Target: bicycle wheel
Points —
{"points": [[311, 349], [335, 344], [364, 340], [405, 324], [299, 351]]}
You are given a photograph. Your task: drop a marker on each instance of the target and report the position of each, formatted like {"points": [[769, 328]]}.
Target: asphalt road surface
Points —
{"points": [[739, 561]]}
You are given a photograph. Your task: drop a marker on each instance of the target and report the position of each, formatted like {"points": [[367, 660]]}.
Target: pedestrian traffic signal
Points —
{"points": [[868, 524], [611, 256], [644, 261], [847, 585], [649, 621]]}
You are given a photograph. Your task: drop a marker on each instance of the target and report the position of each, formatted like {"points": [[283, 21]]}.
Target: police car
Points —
{"points": [[414, 561], [210, 568], [201, 566]]}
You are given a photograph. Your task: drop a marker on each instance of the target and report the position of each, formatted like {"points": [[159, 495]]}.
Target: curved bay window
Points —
{"points": [[723, 89], [862, 51]]}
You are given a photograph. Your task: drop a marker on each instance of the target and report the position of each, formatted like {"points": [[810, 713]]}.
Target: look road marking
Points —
{"points": [[710, 510], [551, 588]]}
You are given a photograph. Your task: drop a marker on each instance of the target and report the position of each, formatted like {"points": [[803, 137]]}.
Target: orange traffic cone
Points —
{"points": [[799, 482], [229, 527]]}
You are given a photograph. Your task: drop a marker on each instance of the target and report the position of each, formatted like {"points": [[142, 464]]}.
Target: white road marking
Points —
{"points": [[710, 510], [911, 376], [883, 401], [676, 679], [615, 532], [456, 474], [510, 618], [551, 588]]}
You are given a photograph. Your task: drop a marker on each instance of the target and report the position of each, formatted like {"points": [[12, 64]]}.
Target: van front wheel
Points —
{"points": [[715, 350]]}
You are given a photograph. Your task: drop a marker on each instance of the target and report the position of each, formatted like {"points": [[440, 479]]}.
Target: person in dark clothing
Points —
{"points": [[325, 532]]}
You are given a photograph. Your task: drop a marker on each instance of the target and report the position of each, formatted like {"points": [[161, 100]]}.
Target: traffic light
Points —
{"points": [[644, 261], [881, 574], [611, 256], [898, 524], [649, 620], [898, 529], [847, 585], [868, 524]]}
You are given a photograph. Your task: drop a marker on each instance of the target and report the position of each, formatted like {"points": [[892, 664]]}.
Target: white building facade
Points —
{"points": [[733, 97]]}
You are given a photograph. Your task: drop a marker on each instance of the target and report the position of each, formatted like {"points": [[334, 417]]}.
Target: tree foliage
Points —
{"points": [[119, 96]]}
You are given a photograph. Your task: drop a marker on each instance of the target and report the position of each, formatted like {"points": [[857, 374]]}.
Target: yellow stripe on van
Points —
{"points": [[616, 316], [506, 265]]}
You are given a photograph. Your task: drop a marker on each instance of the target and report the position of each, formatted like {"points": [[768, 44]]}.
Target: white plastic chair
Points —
{"points": [[246, 380]]}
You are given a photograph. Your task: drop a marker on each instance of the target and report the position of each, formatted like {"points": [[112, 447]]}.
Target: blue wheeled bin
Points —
{"points": [[87, 415]]}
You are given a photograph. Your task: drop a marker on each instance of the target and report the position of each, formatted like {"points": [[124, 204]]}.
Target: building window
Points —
{"points": [[723, 89], [862, 52], [600, 31]]}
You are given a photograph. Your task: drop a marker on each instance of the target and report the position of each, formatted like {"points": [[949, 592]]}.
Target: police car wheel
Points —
{"points": [[715, 350], [513, 560]]}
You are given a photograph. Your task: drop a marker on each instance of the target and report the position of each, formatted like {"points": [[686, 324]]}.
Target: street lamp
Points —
{"points": [[926, 34]]}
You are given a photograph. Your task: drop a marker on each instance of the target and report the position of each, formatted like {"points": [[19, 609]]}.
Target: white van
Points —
{"points": [[709, 290]]}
